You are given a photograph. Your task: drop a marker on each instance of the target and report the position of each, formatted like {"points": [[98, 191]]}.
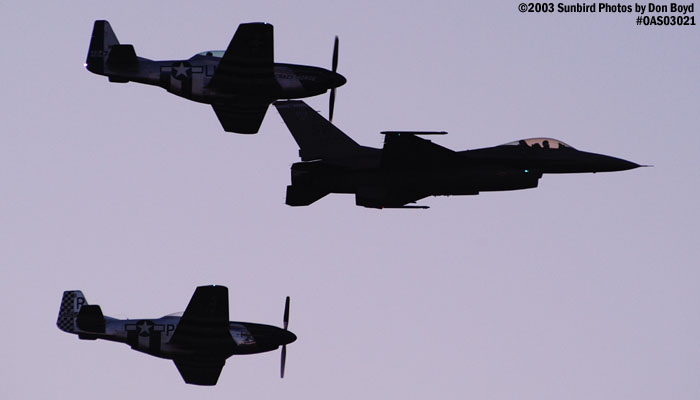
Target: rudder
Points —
{"points": [[103, 38]]}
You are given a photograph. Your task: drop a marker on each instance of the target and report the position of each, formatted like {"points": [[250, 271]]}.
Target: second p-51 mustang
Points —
{"points": [[199, 341], [409, 168], [239, 83]]}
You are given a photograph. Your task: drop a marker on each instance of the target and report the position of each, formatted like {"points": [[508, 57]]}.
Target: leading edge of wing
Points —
{"points": [[205, 321], [249, 57]]}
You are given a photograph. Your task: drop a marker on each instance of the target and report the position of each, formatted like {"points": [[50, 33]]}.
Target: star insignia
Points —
{"points": [[181, 70], [145, 328]]}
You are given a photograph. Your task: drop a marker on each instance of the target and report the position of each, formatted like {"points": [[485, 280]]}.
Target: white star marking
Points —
{"points": [[143, 327], [181, 70]]}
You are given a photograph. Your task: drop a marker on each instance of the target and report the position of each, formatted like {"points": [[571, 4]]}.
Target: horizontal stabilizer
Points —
{"points": [[303, 196], [122, 56], [91, 319]]}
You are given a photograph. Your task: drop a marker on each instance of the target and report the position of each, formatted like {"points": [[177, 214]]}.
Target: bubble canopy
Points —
{"points": [[541, 142], [212, 53]]}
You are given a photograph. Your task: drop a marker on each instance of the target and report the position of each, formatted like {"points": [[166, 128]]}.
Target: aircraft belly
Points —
{"points": [[507, 179], [349, 182], [462, 182], [333, 181]]}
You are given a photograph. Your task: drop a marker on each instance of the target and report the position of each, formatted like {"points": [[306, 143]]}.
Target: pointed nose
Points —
{"points": [[337, 80], [288, 337], [625, 165], [581, 161], [609, 164]]}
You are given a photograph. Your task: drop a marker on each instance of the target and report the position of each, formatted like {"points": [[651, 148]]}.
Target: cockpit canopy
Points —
{"points": [[540, 143], [211, 53]]}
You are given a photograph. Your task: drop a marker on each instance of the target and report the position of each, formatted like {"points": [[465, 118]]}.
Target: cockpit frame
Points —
{"points": [[540, 143]]}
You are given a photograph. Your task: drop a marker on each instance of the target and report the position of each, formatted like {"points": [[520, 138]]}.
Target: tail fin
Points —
{"points": [[103, 38], [317, 137], [72, 302]]}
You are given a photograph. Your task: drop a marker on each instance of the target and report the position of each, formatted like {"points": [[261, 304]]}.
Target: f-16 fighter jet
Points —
{"points": [[199, 341], [239, 83], [409, 168]]}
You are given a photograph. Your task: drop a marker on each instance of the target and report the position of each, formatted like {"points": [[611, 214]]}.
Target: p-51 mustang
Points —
{"points": [[199, 341], [239, 83], [410, 168]]}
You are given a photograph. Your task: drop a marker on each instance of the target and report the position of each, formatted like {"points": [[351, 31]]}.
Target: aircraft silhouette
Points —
{"points": [[409, 168], [199, 341], [239, 83]]}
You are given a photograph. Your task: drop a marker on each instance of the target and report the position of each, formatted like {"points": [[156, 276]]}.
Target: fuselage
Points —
{"points": [[386, 178], [191, 79], [153, 336]]}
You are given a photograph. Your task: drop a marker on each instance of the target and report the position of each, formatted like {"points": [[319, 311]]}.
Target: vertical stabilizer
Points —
{"points": [[317, 138], [103, 38], [71, 303]]}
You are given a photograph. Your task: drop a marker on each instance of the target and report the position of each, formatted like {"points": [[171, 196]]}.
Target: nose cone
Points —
{"points": [[575, 161], [337, 80], [288, 337], [602, 163], [622, 165]]}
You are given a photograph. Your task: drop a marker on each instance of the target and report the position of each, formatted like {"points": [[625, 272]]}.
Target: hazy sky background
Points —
{"points": [[584, 288]]}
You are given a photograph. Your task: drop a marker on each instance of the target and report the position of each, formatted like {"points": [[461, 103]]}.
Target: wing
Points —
{"points": [[204, 323], [198, 372], [241, 117], [403, 149], [248, 58]]}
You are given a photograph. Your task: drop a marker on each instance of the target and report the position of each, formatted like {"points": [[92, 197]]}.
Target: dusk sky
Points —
{"points": [[586, 287]]}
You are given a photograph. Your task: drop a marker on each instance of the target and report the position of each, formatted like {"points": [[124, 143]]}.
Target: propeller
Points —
{"points": [[334, 68], [284, 346]]}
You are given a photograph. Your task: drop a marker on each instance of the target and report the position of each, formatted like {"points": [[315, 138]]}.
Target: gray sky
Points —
{"points": [[586, 287]]}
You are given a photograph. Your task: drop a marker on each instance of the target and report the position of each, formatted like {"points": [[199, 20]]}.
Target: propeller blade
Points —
{"points": [[286, 313], [331, 105], [334, 66], [283, 361]]}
